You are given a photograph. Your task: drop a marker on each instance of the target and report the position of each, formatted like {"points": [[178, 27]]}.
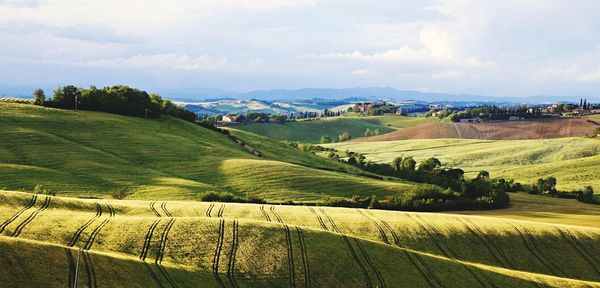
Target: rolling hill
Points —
{"points": [[47, 241], [575, 162], [311, 131], [90, 154], [513, 130]]}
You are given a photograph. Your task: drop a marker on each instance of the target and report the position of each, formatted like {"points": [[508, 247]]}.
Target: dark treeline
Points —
{"points": [[498, 113], [122, 100], [479, 193]]}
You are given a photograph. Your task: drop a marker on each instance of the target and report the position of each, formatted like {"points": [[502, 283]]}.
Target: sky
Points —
{"points": [[492, 47]]}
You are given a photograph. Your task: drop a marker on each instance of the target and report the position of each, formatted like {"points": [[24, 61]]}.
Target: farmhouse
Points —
{"points": [[362, 107]]}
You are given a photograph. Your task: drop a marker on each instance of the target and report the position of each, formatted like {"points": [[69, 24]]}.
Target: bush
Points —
{"points": [[119, 193], [39, 189], [587, 196], [229, 197]]}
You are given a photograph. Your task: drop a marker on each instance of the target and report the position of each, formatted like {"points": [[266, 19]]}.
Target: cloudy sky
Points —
{"points": [[495, 47]]}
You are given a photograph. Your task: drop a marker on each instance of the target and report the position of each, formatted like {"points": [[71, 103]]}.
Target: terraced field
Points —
{"points": [[311, 131], [575, 162], [181, 244], [82, 153]]}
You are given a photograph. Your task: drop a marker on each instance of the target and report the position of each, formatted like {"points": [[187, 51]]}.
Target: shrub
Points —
{"points": [[229, 197], [39, 189], [119, 193]]}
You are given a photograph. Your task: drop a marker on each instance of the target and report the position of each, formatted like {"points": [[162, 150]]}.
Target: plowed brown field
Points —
{"points": [[513, 130]]}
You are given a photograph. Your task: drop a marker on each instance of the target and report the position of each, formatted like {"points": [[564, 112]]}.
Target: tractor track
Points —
{"points": [[99, 228], [154, 209], [89, 268], [71, 267], [161, 252], [209, 209], [163, 206], [381, 231], [153, 275], [438, 240], [306, 268], [362, 267], [85, 225], [414, 258], [262, 210], [321, 222], [220, 212], [231, 264], [290, 251], [568, 236], [16, 215], [217, 256], [533, 249], [32, 216], [370, 263], [148, 239]]}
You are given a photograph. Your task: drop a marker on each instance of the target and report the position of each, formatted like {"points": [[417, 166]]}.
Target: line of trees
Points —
{"points": [[120, 99]]}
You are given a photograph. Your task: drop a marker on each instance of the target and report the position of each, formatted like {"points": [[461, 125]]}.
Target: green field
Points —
{"points": [[575, 162], [183, 244], [311, 131], [82, 153]]}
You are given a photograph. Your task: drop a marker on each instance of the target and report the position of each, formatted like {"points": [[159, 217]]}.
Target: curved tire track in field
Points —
{"points": [[96, 231], [370, 263], [220, 212], [305, 266], [32, 216], [440, 243], [362, 267], [148, 239], [569, 237], [425, 271], [163, 206], [153, 275], [319, 218], [154, 209], [290, 249], [16, 215], [231, 264], [161, 252], [532, 248], [89, 268], [85, 225], [381, 232], [209, 209], [217, 256], [71, 267], [262, 210]]}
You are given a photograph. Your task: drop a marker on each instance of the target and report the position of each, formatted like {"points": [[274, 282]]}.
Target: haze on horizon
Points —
{"points": [[501, 48]]}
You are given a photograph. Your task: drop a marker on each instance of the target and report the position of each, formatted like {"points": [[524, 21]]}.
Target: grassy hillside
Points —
{"points": [[311, 131], [575, 162], [181, 244], [81, 153]]}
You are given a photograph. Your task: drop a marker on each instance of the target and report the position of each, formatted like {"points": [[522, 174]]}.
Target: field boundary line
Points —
{"points": [[94, 234], [30, 204], [232, 254], [32, 216], [361, 266], [85, 225]]}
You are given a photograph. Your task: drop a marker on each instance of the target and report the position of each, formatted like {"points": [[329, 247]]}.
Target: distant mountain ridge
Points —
{"points": [[197, 94]]}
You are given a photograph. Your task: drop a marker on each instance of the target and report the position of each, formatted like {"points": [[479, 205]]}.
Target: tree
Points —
{"points": [[429, 165], [587, 195], [483, 175], [325, 139], [344, 137], [64, 97], [39, 96]]}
